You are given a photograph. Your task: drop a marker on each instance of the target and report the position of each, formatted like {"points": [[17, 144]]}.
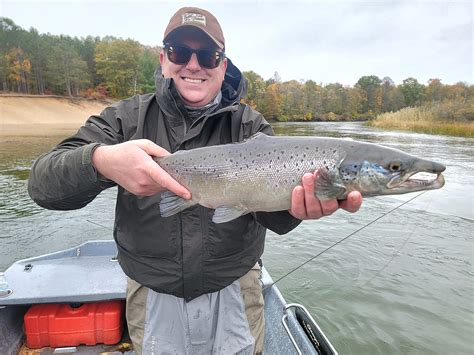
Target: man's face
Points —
{"points": [[197, 85]]}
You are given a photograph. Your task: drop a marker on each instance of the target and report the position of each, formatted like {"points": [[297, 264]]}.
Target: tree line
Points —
{"points": [[94, 67], [369, 97], [45, 64]]}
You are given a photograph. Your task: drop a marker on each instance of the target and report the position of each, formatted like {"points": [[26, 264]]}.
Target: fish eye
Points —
{"points": [[394, 167]]}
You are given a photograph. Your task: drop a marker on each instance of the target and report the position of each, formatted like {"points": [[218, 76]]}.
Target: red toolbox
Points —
{"points": [[60, 325]]}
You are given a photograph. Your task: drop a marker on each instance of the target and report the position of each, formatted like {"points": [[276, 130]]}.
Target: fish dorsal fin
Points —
{"points": [[226, 214], [258, 135]]}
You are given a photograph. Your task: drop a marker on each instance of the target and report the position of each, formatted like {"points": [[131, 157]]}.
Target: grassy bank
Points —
{"points": [[429, 120]]}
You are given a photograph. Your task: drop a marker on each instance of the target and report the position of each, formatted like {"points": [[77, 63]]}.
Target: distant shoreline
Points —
{"points": [[37, 115]]}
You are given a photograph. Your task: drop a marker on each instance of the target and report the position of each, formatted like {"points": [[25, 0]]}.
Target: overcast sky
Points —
{"points": [[325, 41]]}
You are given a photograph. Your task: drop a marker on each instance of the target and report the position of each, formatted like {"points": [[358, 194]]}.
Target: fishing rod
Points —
{"points": [[345, 238]]}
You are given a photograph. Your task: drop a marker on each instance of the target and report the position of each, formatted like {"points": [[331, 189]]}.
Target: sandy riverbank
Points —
{"points": [[38, 115]]}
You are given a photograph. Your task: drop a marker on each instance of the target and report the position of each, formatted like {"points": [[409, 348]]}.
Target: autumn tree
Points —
{"points": [[271, 105], [19, 69], [371, 85]]}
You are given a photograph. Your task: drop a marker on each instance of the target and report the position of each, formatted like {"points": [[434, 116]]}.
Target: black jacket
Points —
{"points": [[185, 255]]}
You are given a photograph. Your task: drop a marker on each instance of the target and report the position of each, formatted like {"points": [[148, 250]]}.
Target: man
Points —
{"points": [[193, 285]]}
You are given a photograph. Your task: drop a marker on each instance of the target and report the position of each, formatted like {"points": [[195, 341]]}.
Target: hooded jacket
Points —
{"points": [[185, 255]]}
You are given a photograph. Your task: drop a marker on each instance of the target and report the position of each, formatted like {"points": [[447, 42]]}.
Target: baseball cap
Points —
{"points": [[197, 18]]}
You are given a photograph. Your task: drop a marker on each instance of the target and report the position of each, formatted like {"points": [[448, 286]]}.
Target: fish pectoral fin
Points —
{"points": [[328, 186], [171, 204], [226, 214]]}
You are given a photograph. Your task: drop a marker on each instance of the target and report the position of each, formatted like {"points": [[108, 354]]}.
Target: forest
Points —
{"points": [[114, 68]]}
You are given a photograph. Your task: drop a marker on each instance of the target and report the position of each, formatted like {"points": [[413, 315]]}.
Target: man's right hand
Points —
{"points": [[131, 165]]}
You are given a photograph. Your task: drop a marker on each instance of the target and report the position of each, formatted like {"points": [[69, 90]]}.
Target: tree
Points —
{"points": [[271, 106], [312, 100], [147, 64], [334, 97], [434, 90], [255, 90], [20, 68], [412, 91], [67, 71], [370, 84], [117, 64]]}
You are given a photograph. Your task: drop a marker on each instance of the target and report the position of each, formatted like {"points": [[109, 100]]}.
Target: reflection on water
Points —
{"points": [[404, 284]]}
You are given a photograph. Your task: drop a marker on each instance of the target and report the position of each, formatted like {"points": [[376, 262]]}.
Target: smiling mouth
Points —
{"points": [[193, 81]]}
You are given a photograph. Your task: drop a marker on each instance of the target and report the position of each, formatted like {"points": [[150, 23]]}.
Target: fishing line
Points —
{"points": [[346, 237], [97, 224], [394, 254]]}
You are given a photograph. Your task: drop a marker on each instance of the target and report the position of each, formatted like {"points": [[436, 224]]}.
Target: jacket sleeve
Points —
{"points": [[64, 178], [280, 222]]}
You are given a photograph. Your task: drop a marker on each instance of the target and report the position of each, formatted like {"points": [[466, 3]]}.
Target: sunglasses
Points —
{"points": [[181, 55]]}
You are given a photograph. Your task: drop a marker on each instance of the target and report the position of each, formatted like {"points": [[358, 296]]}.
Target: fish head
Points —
{"points": [[387, 171]]}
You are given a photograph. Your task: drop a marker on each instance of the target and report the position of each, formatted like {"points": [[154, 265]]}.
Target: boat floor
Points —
{"points": [[90, 272]]}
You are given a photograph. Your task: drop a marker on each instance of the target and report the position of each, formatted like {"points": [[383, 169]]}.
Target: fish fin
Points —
{"points": [[328, 185], [258, 135], [225, 214], [171, 204]]}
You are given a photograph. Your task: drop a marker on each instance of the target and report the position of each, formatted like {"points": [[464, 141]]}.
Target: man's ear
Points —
{"points": [[224, 68], [162, 57]]}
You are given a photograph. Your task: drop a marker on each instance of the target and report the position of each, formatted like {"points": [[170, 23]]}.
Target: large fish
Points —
{"points": [[259, 174]]}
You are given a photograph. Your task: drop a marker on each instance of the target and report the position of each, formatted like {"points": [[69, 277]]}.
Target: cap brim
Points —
{"points": [[190, 26]]}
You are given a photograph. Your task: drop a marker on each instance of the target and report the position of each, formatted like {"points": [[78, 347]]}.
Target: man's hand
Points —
{"points": [[305, 205], [131, 165]]}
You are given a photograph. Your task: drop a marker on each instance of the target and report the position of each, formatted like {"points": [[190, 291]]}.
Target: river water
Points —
{"points": [[403, 284]]}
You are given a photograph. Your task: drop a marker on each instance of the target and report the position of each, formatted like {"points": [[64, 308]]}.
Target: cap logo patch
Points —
{"points": [[190, 18]]}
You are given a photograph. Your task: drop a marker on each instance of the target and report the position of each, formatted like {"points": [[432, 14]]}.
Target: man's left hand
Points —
{"points": [[305, 204]]}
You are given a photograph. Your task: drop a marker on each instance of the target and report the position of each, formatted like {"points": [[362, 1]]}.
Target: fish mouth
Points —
{"points": [[417, 181]]}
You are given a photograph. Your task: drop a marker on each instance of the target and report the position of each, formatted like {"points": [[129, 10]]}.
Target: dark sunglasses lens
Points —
{"points": [[209, 59], [179, 55], [182, 55]]}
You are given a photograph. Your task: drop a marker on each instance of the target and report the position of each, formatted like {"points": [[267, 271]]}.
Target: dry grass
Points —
{"points": [[423, 120]]}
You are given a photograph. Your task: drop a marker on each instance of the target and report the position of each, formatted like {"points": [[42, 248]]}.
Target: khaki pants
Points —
{"points": [[250, 300]]}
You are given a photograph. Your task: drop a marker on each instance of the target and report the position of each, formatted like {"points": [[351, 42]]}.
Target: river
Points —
{"points": [[403, 284]]}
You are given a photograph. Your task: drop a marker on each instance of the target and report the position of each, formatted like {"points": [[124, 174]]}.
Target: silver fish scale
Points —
{"points": [[258, 174]]}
